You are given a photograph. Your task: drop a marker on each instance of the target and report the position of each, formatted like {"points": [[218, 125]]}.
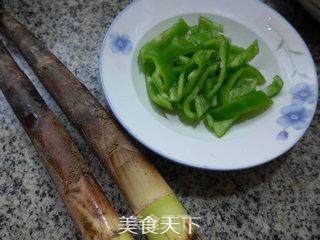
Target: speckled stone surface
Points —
{"points": [[280, 200]]}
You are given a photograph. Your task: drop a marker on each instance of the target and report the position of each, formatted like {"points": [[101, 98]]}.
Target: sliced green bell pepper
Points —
{"points": [[190, 75], [189, 109], [159, 98], [177, 91], [198, 38], [243, 105], [182, 60], [198, 72], [245, 57], [195, 100], [178, 30], [224, 92], [251, 72], [243, 87], [275, 87], [194, 29], [162, 74], [207, 26], [208, 73], [201, 106], [178, 47], [215, 42], [224, 52], [219, 128]]}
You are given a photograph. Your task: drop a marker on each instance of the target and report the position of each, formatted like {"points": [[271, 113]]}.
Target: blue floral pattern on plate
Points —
{"points": [[303, 92], [283, 135], [120, 43], [296, 115]]}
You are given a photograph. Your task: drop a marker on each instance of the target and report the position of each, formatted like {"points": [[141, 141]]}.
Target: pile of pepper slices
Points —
{"points": [[197, 73]]}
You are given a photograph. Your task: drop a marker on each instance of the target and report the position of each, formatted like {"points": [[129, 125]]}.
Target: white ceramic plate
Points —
{"points": [[254, 142]]}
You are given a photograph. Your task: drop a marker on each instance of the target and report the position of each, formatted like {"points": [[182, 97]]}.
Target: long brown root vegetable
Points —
{"points": [[146, 191], [78, 188]]}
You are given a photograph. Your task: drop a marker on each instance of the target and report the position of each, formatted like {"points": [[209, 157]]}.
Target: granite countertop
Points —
{"points": [[280, 200]]}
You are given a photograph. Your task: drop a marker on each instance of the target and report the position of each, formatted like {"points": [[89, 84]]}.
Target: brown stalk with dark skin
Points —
{"points": [[112, 147], [91, 211], [139, 181]]}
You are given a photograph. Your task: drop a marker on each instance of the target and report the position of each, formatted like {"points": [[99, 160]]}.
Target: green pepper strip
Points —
{"points": [[224, 55], [192, 42], [194, 76], [275, 87], [199, 102], [198, 38], [178, 47], [177, 91], [189, 115], [194, 29], [163, 75], [206, 25], [206, 54], [182, 60], [215, 43], [214, 101], [161, 99], [245, 57], [179, 69], [187, 82], [219, 128], [224, 92], [178, 30], [251, 72], [209, 72], [243, 87], [243, 105], [200, 106]]}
